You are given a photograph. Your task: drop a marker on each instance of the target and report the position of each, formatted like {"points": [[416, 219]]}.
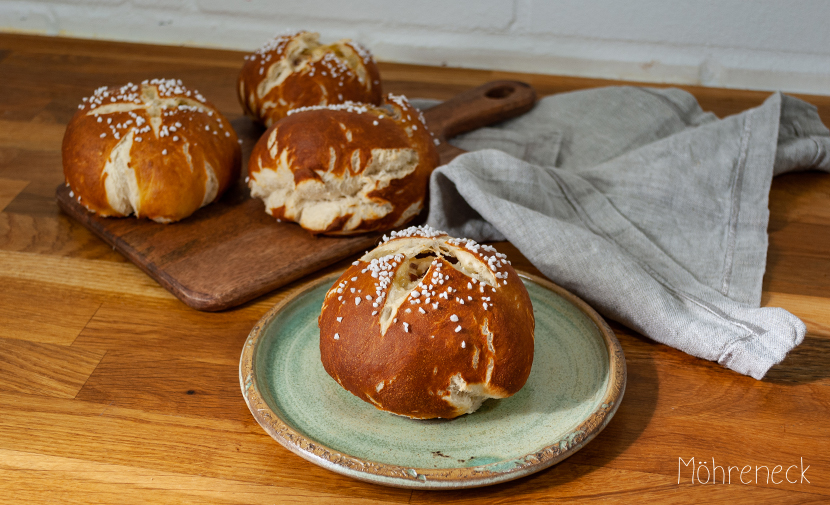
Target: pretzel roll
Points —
{"points": [[345, 169], [293, 71], [155, 149], [428, 326]]}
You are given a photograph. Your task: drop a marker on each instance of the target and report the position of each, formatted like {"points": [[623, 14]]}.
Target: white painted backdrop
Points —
{"points": [[749, 44]]}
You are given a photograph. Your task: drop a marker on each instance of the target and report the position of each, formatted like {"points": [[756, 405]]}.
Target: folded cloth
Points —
{"points": [[650, 209]]}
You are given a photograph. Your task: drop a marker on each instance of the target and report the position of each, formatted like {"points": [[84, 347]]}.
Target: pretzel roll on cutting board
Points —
{"points": [[345, 169], [296, 70], [155, 149]]}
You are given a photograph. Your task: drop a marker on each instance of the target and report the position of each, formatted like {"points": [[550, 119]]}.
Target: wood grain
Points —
{"points": [[801, 197], [28, 478], [169, 328], [96, 359], [31, 135], [45, 313], [703, 417], [40, 172], [572, 482], [9, 190], [51, 235], [800, 249], [173, 385], [44, 369], [813, 310], [89, 275], [221, 449]]}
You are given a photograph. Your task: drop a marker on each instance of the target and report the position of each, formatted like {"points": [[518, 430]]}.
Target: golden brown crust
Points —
{"points": [[480, 329], [293, 71], [373, 163], [158, 132]]}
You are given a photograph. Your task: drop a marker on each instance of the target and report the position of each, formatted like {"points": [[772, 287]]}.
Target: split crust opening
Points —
{"points": [[305, 50], [423, 256], [120, 179], [420, 256], [316, 203]]}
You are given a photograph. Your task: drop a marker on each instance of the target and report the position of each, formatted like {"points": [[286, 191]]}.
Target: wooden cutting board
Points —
{"points": [[231, 251]]}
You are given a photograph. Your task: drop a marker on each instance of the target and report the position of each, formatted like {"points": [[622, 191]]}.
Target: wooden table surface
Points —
{"points": [[113, 391]]}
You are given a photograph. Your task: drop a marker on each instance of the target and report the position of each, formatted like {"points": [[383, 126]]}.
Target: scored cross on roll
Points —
{"points": [[154, 149], [296, 70], [426, 325]]}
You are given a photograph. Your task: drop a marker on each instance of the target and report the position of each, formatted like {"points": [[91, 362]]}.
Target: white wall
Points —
{"points": [[750, 44]]}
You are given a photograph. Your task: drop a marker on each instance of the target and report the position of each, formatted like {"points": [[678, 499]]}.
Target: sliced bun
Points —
{"points": [[155, 149], [428, 326], [345, 169], [295, 70]]}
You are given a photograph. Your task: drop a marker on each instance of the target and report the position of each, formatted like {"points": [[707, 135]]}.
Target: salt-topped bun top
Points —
{"points": [[154, 149], [345, 169], [296, 70], [426, 325]]}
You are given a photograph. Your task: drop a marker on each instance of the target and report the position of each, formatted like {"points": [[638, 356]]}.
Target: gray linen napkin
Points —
{"points": [[650, 209]]}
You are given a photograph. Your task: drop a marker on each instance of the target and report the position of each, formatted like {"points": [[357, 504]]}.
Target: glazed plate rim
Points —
{"points": [[432, 478]]}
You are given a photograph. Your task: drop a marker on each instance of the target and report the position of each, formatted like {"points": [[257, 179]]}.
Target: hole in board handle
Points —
{"points": [[500, 92]]}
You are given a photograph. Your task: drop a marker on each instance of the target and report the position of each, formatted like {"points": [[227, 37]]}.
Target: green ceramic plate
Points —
{"points": [[575, 386]]}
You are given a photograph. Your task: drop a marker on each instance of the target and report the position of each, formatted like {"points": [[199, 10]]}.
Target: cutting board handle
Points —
{"points": [[489, 103]]}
